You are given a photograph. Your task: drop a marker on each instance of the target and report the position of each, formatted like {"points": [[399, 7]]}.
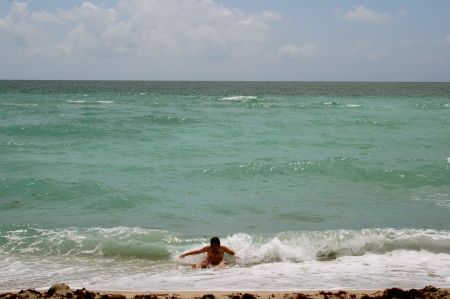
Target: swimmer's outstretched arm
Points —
{"points": [[194, 252]]}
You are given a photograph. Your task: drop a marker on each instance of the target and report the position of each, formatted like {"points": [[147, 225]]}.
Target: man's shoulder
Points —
{"points": [[225, 248], [206, 248]]}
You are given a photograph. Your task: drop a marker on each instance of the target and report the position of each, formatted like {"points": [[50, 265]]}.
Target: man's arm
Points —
{"points": [[204, 249]]}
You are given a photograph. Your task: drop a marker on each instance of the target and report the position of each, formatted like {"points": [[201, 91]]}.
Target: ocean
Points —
{"points": [[315, 185]]}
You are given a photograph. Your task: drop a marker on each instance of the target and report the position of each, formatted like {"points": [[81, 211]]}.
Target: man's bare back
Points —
{"points": [[214, 254]]}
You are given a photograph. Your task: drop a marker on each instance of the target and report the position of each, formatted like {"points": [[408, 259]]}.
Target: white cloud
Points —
{"points": [[367, 51], [440, 59], [307, 50], [413, 43], [360, 14], [360, 50], [192, 28], [19, 29], [447, 39]]}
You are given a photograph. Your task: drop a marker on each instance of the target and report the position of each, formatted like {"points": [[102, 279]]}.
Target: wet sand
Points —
{"points": [[62, 291]]}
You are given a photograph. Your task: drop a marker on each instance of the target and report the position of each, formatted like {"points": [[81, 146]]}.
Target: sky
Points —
{"points": [[226, 40]]}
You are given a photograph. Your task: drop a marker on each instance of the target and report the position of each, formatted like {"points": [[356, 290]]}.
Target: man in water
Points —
{"points": [[214, 254]]}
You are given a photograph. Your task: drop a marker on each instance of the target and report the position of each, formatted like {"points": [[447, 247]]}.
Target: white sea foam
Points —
{"points": [[400, 268], [367, 259], [84, 101], [20, 104], [239, 98]]}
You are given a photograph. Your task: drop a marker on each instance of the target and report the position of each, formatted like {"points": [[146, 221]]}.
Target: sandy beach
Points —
{"points": [[62, 291]]}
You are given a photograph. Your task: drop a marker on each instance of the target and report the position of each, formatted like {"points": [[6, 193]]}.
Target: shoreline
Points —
{"points": [[62, 291]]}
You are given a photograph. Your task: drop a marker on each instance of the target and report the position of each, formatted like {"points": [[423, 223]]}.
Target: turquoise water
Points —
{"points": [[298, 176]]}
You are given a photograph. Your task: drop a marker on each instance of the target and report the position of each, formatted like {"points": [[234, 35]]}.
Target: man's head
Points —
{"points": [[215, 240]]}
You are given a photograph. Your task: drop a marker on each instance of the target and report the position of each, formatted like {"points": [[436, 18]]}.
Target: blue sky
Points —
{"points": [[287, 40]]}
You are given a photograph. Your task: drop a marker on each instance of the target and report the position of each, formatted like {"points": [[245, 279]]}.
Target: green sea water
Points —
{"points": [[89, 167]]}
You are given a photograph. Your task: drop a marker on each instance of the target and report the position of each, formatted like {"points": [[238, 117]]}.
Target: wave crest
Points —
{"points": [[159, 245]]}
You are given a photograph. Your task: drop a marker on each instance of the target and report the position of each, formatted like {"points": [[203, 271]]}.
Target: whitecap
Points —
{"points": [[239, 98], [84, 101]]}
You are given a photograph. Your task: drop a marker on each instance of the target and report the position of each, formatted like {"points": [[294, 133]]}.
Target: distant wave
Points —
{"points": [[239, 98], [84, 101]]}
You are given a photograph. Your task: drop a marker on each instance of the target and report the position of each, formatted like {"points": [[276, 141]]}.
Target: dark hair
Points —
{"points": [[215, 240]]}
